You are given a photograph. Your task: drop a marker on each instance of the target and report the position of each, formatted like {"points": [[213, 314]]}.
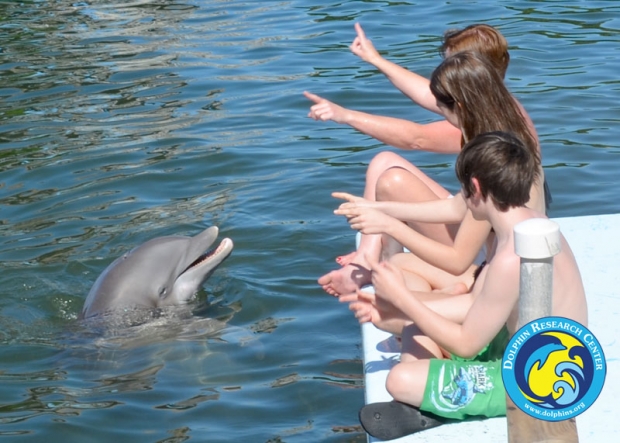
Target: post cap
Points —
{"points": [[537, 238]]}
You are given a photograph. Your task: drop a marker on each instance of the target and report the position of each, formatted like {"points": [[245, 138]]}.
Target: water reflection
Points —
{"points": [[123, 121]]}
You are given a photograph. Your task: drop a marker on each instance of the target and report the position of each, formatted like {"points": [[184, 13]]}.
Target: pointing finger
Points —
{"points": [[342, 195], [310, 96], [360, 31]]}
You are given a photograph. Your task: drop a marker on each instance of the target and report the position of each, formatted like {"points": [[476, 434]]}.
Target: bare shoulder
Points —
{"points": [[496, 293], [505, 261], [502, 274]]}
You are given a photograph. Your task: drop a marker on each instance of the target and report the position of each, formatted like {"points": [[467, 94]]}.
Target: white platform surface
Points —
{"points": [[595, 241]]}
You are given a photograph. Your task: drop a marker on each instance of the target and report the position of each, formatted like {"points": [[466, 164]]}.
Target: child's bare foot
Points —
{"points": [[345, 280], [344, 260]]}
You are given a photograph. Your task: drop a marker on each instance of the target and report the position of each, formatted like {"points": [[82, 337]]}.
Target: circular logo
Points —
{"points": [[553, 368]]}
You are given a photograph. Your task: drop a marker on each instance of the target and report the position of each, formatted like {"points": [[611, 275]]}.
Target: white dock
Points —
{"points": [[595, 241]]}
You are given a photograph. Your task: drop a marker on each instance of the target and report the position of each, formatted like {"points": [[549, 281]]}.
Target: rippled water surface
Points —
{"points": [[123, 121]]}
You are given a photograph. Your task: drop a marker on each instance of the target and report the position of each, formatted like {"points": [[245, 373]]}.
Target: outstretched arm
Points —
{"points": [[385, 316], [409, 83], [445, 210], [440, 136], [484, 318], [370, 218], [455, 258]]}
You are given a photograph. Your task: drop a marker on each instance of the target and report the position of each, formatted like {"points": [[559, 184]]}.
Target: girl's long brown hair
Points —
{"points": [[468, 85], [480, 38]]}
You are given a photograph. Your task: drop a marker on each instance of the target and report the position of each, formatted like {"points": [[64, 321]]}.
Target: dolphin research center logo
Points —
{"points": [[553, 368]]}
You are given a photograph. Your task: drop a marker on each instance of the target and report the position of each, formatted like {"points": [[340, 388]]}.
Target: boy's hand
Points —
{"points": [[363, 305], [363, 48], [364, 312], [388, 281]]}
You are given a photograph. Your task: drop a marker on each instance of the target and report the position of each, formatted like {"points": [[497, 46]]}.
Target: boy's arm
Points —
{"points": [[484, 319], [440, 136], [388, 318]]}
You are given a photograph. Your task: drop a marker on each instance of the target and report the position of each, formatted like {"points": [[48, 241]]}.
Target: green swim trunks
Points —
{"points": [[458, 388]]}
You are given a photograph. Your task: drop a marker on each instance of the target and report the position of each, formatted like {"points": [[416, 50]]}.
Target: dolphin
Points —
{"points": [[163, 271]]}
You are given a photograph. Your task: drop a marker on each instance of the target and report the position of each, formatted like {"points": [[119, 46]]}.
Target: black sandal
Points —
{"points": [[392, 419]]}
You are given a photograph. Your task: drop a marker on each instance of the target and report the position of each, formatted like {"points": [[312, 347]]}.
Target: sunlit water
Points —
{"points": [[122, 121]]}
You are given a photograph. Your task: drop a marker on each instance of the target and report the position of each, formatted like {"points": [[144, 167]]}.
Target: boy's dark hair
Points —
{"points": [[503, 166]]}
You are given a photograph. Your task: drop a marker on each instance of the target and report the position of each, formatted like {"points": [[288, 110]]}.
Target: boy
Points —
{"points": [[496, 172]]}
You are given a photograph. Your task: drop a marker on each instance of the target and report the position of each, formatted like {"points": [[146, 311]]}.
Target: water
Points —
{"points": [[122, 121]]}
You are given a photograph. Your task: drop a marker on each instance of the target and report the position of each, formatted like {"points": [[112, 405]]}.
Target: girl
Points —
{"points": [[470, 93], [390, 176]]}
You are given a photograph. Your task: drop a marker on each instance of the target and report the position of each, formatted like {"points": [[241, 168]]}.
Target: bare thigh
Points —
{"points": [[437, 278]]}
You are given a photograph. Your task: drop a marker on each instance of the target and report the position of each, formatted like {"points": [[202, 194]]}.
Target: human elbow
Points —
{"points": [[410, 138], [456, 267], [415, 144], [467, 350]]}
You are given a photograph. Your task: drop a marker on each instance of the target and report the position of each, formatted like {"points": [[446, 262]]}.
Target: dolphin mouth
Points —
{"points": [[224, 249]]}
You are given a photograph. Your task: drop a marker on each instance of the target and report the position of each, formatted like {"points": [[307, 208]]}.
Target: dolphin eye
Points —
{"points": [[162, 291]]}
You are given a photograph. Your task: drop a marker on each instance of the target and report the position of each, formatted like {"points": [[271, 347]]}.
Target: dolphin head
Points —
{"points": [[161, 272]]}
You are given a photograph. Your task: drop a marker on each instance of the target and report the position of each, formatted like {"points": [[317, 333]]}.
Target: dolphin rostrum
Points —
{"points": [[163, 271]]}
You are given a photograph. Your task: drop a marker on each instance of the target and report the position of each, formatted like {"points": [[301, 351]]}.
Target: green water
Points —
{"points": [[123, 121]]}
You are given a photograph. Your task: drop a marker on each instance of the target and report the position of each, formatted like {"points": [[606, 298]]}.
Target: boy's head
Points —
{"points": [[499, 167], [480, 38]]}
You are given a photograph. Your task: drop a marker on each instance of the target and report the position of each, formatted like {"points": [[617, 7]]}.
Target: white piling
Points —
{"points": [[537, 241]]}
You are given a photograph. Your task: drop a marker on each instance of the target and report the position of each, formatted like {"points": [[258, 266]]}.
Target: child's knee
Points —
{"points": [[384, 160], [406, 383], [397, 379], [390, 183]]}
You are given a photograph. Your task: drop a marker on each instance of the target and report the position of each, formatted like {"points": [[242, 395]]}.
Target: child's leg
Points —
{"points": [[391, 176], [411, 185], [450, 389], [462, 389], [436, 278], [406, 381]]}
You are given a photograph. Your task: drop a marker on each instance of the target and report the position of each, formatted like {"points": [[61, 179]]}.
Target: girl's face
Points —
{"points": [[450, 116]]}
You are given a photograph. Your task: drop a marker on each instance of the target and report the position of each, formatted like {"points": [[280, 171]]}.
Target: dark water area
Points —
{"points": [[124, 121]]}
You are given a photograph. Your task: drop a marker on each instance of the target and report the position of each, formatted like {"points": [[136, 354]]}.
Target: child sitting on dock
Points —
{"points": [[390, 177], [452, 347]]}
